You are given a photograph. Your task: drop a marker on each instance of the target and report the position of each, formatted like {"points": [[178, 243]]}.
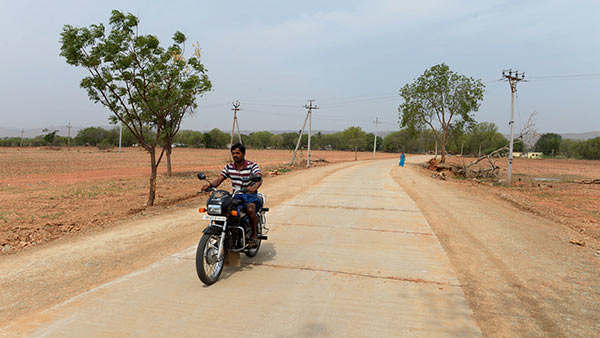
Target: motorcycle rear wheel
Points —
{"points": [[208, 265]]}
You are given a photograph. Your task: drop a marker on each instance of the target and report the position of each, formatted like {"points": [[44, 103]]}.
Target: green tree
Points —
{"points": [[260, 139], [140, 82], [440, 98], [216, 139], [518, 146], [289, 140], [276, 141], [91, 136], [190, 138], [590, 149], [355, 136], [548, 143], [192, 82], [486, 136], [50, 137]]}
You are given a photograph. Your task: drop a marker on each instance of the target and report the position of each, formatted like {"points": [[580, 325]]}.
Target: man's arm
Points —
{"points": [[254, 187], [255, 171], [216, 182]]}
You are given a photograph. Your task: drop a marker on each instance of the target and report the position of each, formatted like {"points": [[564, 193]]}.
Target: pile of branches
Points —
{"points": [[467, 170]]}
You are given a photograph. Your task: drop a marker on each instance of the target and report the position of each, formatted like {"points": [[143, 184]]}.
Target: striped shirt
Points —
{"points": [[239, 178]]}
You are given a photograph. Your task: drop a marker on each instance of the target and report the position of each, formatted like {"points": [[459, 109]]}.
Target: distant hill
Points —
{"points": [[572, 136], [581, 136]]}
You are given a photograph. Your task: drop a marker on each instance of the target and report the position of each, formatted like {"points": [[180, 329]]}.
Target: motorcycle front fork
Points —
{"points": [[221, 255]]}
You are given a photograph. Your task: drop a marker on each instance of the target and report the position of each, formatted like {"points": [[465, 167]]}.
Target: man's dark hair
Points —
{"points": [[239, 146]]}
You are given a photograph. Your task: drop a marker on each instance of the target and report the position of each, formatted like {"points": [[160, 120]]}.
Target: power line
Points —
{"points": [[565, 76]]}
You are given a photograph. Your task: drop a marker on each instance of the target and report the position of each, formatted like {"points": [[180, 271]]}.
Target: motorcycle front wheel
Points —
{"points": [[208, 264]]}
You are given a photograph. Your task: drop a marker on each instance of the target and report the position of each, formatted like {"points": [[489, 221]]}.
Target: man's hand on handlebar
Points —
{"points": [[206, 187]]}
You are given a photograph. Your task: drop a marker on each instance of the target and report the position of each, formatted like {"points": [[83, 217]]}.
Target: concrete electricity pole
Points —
{"points": [[22, 133], [512, 79], [308, 118], [69, 136], [310, 107], [377, 122], [236, 108]]}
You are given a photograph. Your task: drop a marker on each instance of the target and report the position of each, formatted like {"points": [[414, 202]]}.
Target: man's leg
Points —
{"points": [[251, 208]]}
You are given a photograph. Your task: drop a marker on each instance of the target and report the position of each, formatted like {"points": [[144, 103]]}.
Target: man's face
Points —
{"points": [[237, 155]]}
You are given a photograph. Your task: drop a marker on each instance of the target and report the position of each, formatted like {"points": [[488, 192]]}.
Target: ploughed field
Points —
{"points": [[551, 188], [46, 194]]}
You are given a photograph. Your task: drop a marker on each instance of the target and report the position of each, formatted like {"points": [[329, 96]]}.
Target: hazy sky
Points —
{"points": [[351, 57]]}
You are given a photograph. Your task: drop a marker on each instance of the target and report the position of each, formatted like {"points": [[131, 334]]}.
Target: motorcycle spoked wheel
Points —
{"points": [[208, 265]]}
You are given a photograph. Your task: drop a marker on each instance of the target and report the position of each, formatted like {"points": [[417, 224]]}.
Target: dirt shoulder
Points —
{"points": [[520, 274], [50, 274]]}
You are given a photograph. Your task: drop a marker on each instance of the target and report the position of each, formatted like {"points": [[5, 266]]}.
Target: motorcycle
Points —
{"points": [[229, 230]]}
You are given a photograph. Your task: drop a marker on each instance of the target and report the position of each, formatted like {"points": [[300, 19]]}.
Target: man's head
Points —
{"points": [[238, 152]]}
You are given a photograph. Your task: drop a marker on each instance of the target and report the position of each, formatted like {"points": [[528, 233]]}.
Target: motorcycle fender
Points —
{"points": [[212, 230]]}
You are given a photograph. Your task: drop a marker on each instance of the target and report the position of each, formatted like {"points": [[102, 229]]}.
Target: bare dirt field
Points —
{"points": [[46, 194], [550, 188]]}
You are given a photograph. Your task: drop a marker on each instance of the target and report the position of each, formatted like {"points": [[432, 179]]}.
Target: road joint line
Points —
{"points": [[349, 208], [358, 274], [355, 228]]}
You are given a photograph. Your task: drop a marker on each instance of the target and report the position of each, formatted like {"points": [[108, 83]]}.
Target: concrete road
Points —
{"points": [[352, 256]]}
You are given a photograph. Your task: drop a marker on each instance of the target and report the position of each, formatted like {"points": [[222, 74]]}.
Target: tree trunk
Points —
{"points": [[169, 149], [355, 149], [444, 135], [152, 191]]}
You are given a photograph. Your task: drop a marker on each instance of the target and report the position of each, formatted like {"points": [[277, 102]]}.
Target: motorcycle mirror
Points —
{"points": [[201, 176]]}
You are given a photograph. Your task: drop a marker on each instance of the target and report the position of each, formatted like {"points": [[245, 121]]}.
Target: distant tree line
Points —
{"points": [[553, 145], [479, 138]]}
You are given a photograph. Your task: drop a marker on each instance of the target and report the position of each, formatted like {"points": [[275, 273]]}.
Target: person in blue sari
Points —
{"points": [[402, 157]]}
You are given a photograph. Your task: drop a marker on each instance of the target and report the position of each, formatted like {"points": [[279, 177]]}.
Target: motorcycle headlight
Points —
{"points": [[214, 209]]}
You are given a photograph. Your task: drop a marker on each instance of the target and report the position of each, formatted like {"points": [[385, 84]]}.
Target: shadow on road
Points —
{"points": [[265, 254]]}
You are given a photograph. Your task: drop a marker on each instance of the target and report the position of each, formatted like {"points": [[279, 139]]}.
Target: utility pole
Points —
{"points": [[69, 136], [310, 107], [299, 139], [236, 108], [22, 133], [120, 135], [377, 122], [308, 119], [513, 78]]}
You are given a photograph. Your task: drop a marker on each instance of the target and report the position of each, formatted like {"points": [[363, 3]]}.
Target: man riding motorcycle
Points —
{"points": [[238, 172]]}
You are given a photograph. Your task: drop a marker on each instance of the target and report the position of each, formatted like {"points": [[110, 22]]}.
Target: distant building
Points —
{"points": [[534, 155], [517, 154]]}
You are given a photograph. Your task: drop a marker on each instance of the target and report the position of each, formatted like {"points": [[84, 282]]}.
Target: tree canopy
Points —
{"points": [[140, 82], [440, 99], [548, 143]]}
